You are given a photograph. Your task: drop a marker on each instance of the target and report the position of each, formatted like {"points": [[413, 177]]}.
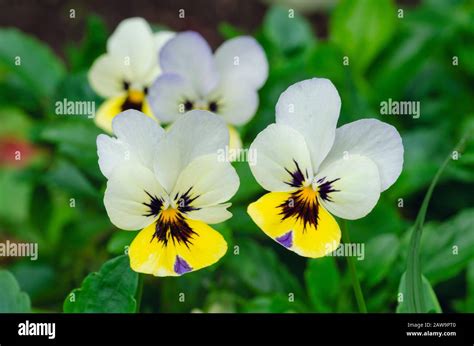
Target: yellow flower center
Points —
{"points": [[136, 96]]}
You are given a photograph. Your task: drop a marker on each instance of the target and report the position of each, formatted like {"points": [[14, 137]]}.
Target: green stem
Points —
{"points": [[352, 269], [139, 291], [414, 280]]}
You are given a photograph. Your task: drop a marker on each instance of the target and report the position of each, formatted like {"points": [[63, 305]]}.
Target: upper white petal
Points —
{"points": [[126, 194], [193, 134], [277, 149], [244, 58], [357, 186], [168, 94], [189, 55], [112, 152], [133, 44], [208, 180], [375, 139], [236, 102], [106, 76], [312, 108], [211, 215]]}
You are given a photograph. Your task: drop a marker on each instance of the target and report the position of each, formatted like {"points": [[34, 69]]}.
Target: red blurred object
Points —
{"points": [[16, 152]]}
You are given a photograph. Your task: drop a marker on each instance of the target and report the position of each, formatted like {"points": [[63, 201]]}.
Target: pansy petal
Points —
{"points": [[207, 181], [375, 139], [310, 241], [211, 215], [133, 44], [168, 95], [349, 188], [106, 76], [194, 134], [244, 58], [110, 108], [151, 256], [128, 191], [111, 152], [236, 103], [282, 160], [189, 55], [140, 132], [312, 108]]}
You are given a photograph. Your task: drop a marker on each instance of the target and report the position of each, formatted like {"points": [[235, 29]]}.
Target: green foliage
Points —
{"points": [[323, 283], [362, 28], [12, 299], [112, 289], [430, 302]]}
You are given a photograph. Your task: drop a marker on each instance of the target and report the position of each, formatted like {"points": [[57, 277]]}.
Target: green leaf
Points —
{"points": [[112, 289], [323, 283], [261, 270], [288, 33], [68, 177], [362, 28], [28, 63], [92, 45], [12, 299], [380, 254], [11, 185], [276, 303], [430, 301], [119, 241], [447, 248]]}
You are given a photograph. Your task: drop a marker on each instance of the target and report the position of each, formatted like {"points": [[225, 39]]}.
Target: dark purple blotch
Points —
{"points": [[286, 239], [181, 266]]}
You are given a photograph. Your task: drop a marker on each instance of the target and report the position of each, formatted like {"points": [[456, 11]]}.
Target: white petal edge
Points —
{"points": [[358, 187], [211, 215], [244, 58], [276, 149], [125, 194], [312, 108], [375, 139]]}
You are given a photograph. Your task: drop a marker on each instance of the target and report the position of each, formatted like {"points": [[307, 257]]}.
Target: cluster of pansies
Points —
{"points": [[170, 183]]}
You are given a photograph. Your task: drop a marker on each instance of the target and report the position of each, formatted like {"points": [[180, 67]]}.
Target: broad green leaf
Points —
{"points": [[287, 30], [67, 176], [323, 283], [448, 247], [119, 241], [13, 188], [362, 28], [37, 279], [112, 289], [29, 63], [12, 299], [428, 295], [380, 254], [261, 270]]}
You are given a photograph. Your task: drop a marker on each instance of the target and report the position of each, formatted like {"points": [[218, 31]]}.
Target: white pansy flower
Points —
{"points": [[314, 170], [171, 185], [123, 74], [225, 83]]}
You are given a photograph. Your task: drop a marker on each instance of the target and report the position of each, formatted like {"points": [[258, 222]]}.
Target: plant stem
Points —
{"points": [[414, 281], [139, 292], [352, 269]]}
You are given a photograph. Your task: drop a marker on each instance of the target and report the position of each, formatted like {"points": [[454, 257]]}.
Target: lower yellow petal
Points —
{"points": [[112, 107], [151, 256], [310, 241]]}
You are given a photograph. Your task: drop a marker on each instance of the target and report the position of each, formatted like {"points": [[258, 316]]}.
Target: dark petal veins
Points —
{"points": [[297, 176], [185, 200], [129, 104], [325, 188], [174, 228], [155, 204], [302, 206]]}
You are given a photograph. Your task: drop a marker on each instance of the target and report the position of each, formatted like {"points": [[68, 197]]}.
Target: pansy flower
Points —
{"points": [[314, 170], [170, 185], [224, 83], [123, 74]]}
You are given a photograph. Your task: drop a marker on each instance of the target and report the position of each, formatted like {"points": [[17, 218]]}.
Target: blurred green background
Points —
{"points": [[423, 53]]}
